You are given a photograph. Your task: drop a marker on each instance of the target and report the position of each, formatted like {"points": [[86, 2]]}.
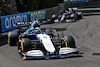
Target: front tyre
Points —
{"points": [[68, 41], [24, 44]]}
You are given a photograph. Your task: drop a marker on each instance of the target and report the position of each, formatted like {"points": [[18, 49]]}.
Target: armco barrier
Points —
{"points": [[79, 5], [8, 22], [84, 4], [39, 15], [50, 11], [24, 28]]}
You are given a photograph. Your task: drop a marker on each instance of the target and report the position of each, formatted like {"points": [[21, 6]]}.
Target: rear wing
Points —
{"points": [[23, 24]]}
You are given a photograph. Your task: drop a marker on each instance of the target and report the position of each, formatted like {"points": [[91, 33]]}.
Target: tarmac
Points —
{"points": [[86, 33]]}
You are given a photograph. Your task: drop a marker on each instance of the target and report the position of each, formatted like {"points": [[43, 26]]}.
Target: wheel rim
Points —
{"points": [[63, 43], [19, 48]]}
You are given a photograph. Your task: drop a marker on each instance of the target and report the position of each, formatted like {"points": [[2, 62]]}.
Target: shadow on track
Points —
{"points": [[57, 29], [90, 12], [55, 58], [3, 40]]}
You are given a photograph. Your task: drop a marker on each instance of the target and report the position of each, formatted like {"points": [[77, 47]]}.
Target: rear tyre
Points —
{"points": [[73, 16], [68, 41], [49, 32], [53, 18], [12, 38]]}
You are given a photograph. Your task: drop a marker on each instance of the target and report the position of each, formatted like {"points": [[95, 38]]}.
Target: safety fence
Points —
{"points": [[63, 6], [84, 4], [8, 22]]}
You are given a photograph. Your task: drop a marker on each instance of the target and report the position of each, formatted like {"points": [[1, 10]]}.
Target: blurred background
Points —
{"points": [[15, 6]]}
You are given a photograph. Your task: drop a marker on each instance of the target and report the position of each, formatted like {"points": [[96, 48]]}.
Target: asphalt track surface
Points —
{"points": [[86, 33]]}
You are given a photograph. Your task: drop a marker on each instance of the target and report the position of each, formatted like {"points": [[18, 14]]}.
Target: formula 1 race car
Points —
{"points": [[38, 43], [70, 14]]}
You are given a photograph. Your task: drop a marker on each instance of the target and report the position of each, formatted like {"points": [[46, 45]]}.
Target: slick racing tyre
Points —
{"points": [[79, 15], [68, 41], [49, 32], [53, 18], [24, 44], [73, 16], [12, 38]]}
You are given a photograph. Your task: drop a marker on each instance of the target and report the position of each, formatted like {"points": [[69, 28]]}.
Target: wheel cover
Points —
{"points": [[22, 48], [19, 48], [63, 39]]}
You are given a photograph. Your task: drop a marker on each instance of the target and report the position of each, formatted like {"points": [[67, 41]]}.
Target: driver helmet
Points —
{"points": [[37, 30], [35, 24]]}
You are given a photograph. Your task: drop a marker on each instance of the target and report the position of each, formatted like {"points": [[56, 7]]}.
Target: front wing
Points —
{"points": [[25, 56]]}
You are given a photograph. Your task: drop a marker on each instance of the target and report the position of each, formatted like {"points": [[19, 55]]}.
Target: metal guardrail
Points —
{"points": [[61, 6], [84, 5]]}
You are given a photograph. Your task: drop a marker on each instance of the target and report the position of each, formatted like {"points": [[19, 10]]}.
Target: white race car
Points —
{"points": [[70, 14], [39, 43]]}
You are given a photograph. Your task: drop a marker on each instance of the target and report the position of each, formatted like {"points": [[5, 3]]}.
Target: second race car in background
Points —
{"points": [[70, 14]]}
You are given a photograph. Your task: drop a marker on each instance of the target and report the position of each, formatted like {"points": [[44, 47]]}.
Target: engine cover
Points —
{"points": [[46, 41]]}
